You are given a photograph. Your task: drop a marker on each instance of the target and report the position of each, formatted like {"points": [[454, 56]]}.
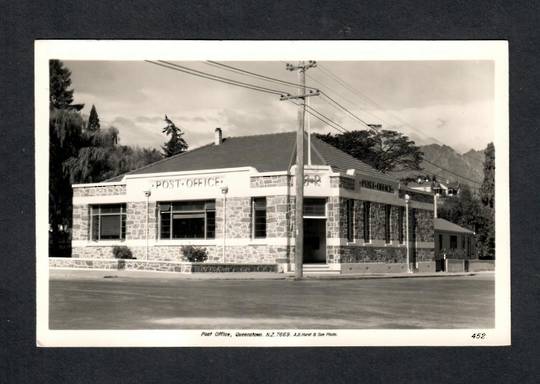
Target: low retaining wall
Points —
{"points": [[426, 266], [348, 268], [160, 266], [480, 265], [455, 265]]}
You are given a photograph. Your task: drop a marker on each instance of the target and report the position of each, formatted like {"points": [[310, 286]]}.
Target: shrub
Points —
{"points": [[194, 254], [122, 252]]}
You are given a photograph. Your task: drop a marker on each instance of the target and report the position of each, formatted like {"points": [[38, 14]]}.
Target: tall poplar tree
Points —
{"points": [[487, 196]]}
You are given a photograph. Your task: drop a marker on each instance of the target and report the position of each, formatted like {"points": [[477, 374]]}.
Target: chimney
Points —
{"points": [[218, 139]]}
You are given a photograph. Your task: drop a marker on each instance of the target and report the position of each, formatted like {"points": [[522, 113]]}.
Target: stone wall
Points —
{"points": [[369, 254], [136, 221], [422, 254], [238, 218], [265, 254], [270, 181], [140, 265], [334, 210], [280, 211], [421, 221], [100, 190], [81, 222], [377, 221]]}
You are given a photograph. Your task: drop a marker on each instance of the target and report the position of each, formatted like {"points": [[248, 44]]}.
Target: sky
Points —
{"points": [[443, 102]]}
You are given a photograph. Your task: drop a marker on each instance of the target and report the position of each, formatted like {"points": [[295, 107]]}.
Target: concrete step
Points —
{"points": [[319, 269]]}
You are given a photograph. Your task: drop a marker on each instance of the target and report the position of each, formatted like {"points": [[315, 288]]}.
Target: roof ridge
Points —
{"points": [[160, 161], [259, 134]]}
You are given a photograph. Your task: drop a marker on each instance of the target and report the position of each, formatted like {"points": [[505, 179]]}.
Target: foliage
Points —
{"points": [[60, 94], [384, 150], [93, 120], [487, 196], [122, 252], [194, 254], [487, 190], [79, 155], [176, 143]]}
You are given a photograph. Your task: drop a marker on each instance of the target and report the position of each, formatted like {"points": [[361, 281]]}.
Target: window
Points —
{"points": [[401, 221], [453, 242], [188, 219], [350, 220], [387, 208], [258, 214], [315, 207], [108, 222], [440, 242], [367, 232], [462, 242]]}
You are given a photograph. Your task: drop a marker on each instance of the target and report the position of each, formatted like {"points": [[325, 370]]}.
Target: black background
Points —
{"points": [[22, 22]]}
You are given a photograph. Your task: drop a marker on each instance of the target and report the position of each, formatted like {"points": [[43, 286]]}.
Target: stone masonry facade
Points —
{"points": [[280, 218], [100, 190]]}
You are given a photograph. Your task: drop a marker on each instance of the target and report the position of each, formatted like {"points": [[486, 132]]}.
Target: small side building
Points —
{"points": [[454, 244]]}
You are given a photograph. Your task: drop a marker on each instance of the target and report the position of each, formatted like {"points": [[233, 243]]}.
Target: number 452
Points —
{"points": [[479, 335]]}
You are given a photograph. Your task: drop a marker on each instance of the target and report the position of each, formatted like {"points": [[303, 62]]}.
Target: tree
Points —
{"points": [[487, 196], [65, 128], [384, 150], [487, 190], [93, 120], [176, 143], [60, 94]]}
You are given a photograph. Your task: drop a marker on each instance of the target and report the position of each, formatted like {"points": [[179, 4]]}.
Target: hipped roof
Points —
{"points": [[266, 153]]}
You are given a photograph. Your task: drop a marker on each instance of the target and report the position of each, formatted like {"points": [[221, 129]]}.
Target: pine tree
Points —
{"points": [[60, 94], [93, 120], [176, 143]]}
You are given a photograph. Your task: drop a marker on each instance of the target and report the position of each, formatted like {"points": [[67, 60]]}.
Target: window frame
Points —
{"points": [[453, 237], [387, 224], [366, 205], [254, 211], [122, 215], [349, 212], [401, 225], [194, 213]]}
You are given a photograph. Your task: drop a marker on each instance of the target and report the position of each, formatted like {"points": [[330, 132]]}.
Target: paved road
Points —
{"points": [[173, 303]]}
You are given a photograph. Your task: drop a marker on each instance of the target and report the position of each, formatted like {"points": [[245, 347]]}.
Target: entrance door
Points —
{"points": [[314, 241]]}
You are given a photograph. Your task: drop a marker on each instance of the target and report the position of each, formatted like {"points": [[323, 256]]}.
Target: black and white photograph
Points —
{"points": [[207, 193]]}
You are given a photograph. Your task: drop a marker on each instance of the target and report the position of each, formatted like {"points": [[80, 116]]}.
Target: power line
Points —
{"points": [[358, 93], [373, 102], [337, 94], [333, 124], [323, 118], [453, 173], [208, 76], [345, 109], [257, 75], [258, 88]]}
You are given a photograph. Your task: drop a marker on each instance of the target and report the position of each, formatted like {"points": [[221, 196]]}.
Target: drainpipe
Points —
{"points": [[407, 198], [224, 191], [147, 194]]}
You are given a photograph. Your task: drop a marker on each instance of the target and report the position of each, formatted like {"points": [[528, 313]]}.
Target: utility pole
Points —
{"points": [[302, 67]]}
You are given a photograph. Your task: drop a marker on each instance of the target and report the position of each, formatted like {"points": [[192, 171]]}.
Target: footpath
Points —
{"points": [[93, 274]]}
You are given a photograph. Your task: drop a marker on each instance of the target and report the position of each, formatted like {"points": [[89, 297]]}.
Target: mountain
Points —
{"points": [[469, 166]]}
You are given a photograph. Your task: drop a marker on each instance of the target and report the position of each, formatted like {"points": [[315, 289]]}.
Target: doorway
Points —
{"points": [[314, 241]]}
